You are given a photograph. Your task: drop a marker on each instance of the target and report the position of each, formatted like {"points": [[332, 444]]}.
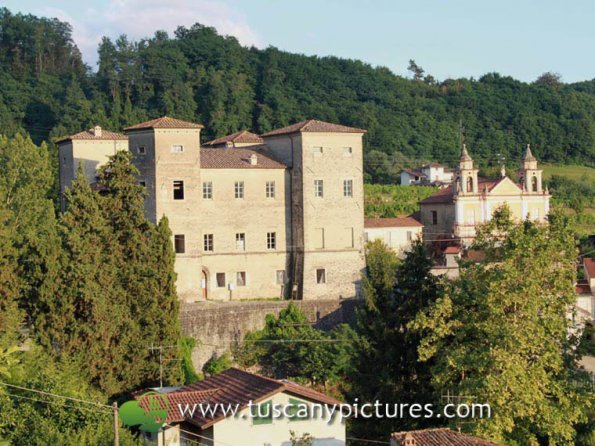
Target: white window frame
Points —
{"points": [[208, 243], [348, 188], [270, 189], [319, 188], [347, 151], [241, 278], [271, 240], [177, 148], [240, 241], [239, 190], [207, 190]]}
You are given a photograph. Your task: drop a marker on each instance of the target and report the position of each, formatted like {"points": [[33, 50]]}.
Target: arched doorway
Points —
{"points": [[205, 284]]}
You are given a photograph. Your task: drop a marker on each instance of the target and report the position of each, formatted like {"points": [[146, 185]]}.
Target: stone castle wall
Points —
{"points": [[216, 326]]}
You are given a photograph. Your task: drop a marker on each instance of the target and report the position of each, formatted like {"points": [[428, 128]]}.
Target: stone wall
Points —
{"points": [[216, 326]]}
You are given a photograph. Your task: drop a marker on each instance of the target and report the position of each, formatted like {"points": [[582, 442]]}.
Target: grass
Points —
{"points": [[574, 172]]}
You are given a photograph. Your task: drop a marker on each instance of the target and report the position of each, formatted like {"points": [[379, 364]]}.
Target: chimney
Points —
{"points": [[253, 159], [96, 131]]}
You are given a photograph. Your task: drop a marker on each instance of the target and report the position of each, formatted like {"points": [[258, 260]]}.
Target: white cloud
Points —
{"points": [[141, 18]]}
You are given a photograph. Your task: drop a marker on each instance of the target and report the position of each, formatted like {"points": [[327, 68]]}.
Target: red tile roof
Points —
{"points": [[236, 158], [452, 250], [438, 437], [165, 122], [170, 401], [234, 386], [242, 137], [90, 135], [589, 265], [582, 288], [398, 222], [314, 125], [445, 195]]}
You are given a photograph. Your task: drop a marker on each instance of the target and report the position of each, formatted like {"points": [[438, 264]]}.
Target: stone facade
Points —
{"points": [[278, 219]]}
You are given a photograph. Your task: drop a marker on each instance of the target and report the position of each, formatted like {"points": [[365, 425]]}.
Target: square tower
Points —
{"points": [[166, 152], [327, 206]]}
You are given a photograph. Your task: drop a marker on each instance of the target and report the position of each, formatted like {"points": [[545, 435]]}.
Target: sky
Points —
{"points": [[448, 38]]}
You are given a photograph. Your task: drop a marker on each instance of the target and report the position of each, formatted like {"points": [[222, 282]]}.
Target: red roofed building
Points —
{"points": [[246, 394], [438, 437], [396, 233], [272, 216], [456, 211]]}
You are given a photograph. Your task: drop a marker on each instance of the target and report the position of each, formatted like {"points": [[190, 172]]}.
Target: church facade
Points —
{"points": [[253, 216], [454, 212]]}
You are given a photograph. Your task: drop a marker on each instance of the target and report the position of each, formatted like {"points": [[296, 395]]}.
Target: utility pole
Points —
{"points": [[116, 425]]}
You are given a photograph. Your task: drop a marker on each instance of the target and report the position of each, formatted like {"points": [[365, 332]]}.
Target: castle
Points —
{"points": [[277, 215], [454, 212]]}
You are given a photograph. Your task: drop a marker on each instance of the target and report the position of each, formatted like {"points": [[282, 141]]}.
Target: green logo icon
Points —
{"points": [[149, 412]]}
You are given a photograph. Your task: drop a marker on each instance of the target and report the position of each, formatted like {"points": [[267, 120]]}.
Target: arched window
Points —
{"points": [[469, 184], [534, 184]]}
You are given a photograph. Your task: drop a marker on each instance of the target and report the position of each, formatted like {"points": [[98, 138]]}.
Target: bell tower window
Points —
{"points": [[534, 184], [469, 184]]}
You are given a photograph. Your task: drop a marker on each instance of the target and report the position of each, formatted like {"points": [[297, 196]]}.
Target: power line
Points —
{"points": [[12, 395], [365, 440], [56, 395]]}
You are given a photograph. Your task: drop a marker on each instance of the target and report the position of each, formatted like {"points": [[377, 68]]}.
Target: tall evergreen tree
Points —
{"points": [[387, 364]]}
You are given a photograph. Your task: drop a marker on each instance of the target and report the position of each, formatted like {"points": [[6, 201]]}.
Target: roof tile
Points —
{"points": [[589, 265], [165, 122], [440, 437], [397, 222], [90, 135], [314, 125], [242, 137], [236, 158]]}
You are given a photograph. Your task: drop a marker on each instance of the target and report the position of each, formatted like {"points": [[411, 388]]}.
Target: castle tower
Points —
{"points": [[466, 182], [528, 175], [166, 151]]}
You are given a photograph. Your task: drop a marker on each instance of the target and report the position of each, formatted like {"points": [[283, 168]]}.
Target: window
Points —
{"points": [[319, 238], [347, 151], [348, 188], [434, 217], [280, 275], [317, 150], [349, 238], [141, 150], [262, 413], [298, 410], [239, 189], [220, 280], [469, 184], [176, 148], [178, 190], [241, 241], [241, 278], [208, 242], [207, 190], [320, 276], [318, 188], [409, 236], [270, 189], [179, 243], [271, 240], [534, 184]]}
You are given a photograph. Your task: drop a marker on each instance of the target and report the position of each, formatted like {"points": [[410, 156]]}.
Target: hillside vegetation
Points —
{"points": [[196, 74]]}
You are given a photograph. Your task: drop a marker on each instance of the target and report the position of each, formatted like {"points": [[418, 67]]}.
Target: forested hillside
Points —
{"points": [[199, 75]]}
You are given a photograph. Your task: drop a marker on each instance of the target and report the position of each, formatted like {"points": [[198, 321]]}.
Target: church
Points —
{"points": [[453, 213]]}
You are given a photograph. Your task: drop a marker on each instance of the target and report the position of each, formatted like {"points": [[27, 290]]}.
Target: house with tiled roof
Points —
{"points": [[242, 408], [272, 216], [397, 233], [430, 174], [438, 437], [243, 138], [90, 148], [454, 212]]}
